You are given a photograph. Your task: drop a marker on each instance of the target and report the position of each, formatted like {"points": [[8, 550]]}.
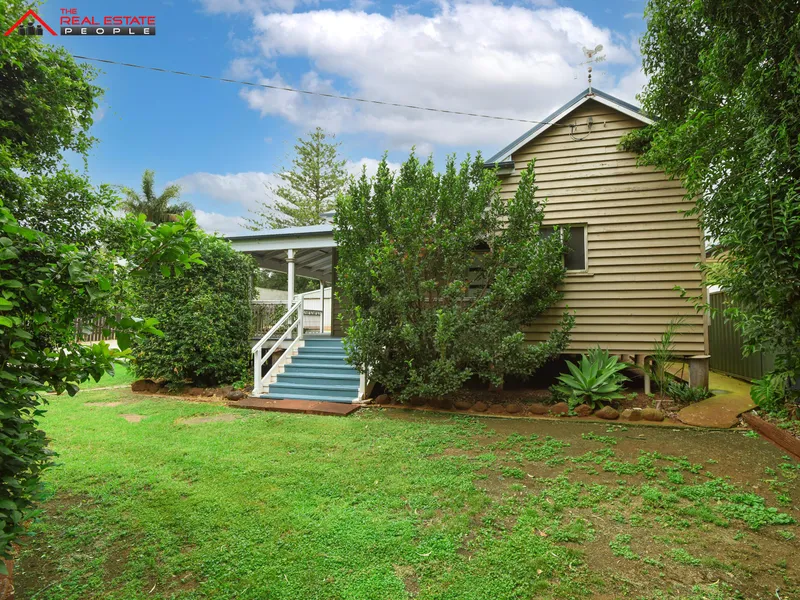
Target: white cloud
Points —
{"points": [[513, 61], [633, 15], [223, 224], [371, 165], [629, 85], [243, 192], [247, 189]]}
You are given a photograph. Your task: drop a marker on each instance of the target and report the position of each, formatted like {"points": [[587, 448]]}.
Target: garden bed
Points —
{"points": [[534, 410], [534, 399], [227, 392]]}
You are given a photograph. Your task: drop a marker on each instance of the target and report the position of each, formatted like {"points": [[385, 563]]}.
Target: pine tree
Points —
{"points": [[308, 189]]}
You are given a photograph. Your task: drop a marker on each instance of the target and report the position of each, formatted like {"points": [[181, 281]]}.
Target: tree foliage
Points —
{"points": [[158, 208], [205, 316], [437, 274], [61, 257], [725, 90], [309, 189]]}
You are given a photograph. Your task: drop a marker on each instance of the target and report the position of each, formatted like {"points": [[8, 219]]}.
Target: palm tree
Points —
{"points": [[157, 209]]}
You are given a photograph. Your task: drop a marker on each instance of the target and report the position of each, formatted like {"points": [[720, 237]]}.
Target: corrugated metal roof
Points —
{"points": [[540, 127], [308, 230]]}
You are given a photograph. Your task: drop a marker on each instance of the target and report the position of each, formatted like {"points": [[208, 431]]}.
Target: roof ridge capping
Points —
{"points": [[503, 158]]}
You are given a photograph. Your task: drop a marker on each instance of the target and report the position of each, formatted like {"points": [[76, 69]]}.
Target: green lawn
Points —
{"points": [[386, 506], [122, 376]]}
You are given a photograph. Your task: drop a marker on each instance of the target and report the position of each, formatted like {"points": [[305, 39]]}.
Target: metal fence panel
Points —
{"points": [[726, 347]]}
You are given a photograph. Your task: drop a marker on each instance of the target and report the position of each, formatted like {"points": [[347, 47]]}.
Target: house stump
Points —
{"points": [[698, 370]]}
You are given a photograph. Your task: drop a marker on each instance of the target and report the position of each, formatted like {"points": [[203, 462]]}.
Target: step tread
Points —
{"points": [[314, 386], [310, 365], [334, 376]]}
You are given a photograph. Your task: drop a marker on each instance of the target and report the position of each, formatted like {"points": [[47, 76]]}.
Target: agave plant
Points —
{"points": [[596, 381]]}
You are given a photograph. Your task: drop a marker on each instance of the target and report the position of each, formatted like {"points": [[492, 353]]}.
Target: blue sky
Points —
{"points": [[223, 142]]}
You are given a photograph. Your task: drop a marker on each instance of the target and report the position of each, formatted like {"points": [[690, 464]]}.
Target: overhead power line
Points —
{"points": [[321, 94]]}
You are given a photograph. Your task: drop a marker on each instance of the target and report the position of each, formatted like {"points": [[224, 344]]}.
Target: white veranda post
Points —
{"points": [[290, 277], [321, 306]]}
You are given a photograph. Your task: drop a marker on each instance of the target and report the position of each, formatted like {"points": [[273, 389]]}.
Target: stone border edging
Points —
{"points": [[530, 417]]}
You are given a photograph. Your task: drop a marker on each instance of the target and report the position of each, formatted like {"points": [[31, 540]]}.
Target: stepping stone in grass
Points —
{"points": [[132, 418]]}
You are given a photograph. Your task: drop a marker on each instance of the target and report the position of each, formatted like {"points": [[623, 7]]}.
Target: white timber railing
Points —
{"points": [[260, 357]]}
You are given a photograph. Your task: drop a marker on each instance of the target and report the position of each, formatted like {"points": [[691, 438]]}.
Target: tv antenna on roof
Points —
{"points": [[591, 58]]}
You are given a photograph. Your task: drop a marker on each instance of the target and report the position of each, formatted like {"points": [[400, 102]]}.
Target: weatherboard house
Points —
{"points": [[630, 239]]}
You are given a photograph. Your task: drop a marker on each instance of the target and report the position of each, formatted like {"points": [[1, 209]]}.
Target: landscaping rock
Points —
{"points": [[235, 395], [583, 410], [462, 404], [537, 408], [607, 413], [636, 414], [480, 407], [145, 385], [652, 414], [417, 401], [383, 399], [442, 403], [560, 408], [497, 409], [514, 408], [196, 391]]}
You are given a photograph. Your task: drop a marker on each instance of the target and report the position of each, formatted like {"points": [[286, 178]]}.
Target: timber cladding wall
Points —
{"points": [[639, 243]]}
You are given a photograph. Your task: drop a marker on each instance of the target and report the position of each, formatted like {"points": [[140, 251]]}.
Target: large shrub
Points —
{"points": [[437, 273], [724, 88], [205, 316], [61, 258]]}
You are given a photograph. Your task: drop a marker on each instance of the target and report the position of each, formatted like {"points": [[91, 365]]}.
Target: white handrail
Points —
{"points": [[304, 294], [275, 327], [259, 360]]}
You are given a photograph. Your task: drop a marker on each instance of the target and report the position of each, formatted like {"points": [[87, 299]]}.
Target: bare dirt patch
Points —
{"points": [[130, 418], [220, 418], [103, 404], [409, 578], [38, 567], [666, 541]]}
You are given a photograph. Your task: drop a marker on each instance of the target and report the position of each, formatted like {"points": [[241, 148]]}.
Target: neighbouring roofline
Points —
{"points": [[503, 158]]}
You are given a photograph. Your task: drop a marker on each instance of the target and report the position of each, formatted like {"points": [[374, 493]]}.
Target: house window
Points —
{"points": [[575, 257]]}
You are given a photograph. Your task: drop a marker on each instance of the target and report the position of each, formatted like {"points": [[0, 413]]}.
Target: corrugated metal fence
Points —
{"points": [[726, 347]]}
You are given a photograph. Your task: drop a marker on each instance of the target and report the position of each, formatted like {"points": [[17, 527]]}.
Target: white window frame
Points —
{"points": [[585, 226]]}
